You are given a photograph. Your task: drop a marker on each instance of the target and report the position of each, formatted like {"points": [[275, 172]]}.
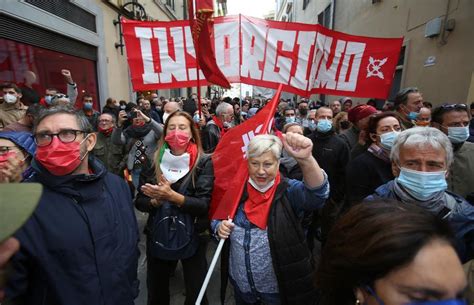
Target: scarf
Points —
{"points": [[106, 132], [219, 124], [434, 204], [137, 132], [176, 167], [257, 207], [88, 113], [140, 154], [379, 152]]}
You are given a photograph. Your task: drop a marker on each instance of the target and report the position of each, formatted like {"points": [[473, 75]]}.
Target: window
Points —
{"points": [[170, 3], [19, 59], [68, 11], [305, 3], [324, 18], [397, 78], [176, 92]]}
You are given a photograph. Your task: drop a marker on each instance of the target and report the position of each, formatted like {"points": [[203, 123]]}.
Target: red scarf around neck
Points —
{"points": [[257, 207], [106, 132], [219, 124]]}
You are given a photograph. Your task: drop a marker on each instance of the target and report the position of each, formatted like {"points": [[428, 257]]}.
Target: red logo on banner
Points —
{"points": [[304, 58]]}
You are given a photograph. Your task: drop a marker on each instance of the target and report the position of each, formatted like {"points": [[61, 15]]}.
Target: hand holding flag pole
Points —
{"points": [[225, 199], [212, 266]]}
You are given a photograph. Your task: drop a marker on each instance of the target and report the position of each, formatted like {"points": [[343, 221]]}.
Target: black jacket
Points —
{"points": [[112, 110], [211, 135], [80, 246], [292, 261], [364, 175], [197, 195], [332, 154]]}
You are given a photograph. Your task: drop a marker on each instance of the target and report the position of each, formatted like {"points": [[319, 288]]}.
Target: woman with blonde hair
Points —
{"points": [[175, 190]]}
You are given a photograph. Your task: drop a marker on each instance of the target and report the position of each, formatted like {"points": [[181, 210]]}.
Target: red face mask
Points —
{"points": [[177, 139], [4, 158], [60, 158]]}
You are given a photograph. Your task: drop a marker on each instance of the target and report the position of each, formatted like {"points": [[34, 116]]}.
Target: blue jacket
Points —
{"points": [[81, 244], [461, 219]]}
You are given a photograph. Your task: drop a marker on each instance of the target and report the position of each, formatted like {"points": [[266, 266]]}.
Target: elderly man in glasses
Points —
{"points": [[112, 155], [453, 120], [80, 245]]}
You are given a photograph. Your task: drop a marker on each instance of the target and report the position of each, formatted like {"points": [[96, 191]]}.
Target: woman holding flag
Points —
{"points": [[175, 190], [269, 260]]}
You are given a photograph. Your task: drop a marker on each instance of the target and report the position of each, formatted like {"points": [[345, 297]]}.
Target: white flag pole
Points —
{"points": [[211, 269]]}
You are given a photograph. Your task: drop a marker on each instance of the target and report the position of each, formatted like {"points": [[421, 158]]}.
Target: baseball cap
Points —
{"points": [[17, 202]]}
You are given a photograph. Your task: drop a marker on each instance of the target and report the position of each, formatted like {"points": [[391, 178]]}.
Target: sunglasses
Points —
{"points": [[454, 106]]}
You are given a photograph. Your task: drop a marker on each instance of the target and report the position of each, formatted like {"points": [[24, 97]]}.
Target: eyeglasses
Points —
{"points": [[204, 105], [65, 136], [105, 121], [6, 149], [454, 106]]}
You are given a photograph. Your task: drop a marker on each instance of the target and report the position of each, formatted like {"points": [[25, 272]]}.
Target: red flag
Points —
{"points": [[201, 32], [230, 164]]}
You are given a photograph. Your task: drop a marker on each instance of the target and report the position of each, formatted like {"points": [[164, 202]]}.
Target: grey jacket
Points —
{"points": [[461, 174], [150, 140]]}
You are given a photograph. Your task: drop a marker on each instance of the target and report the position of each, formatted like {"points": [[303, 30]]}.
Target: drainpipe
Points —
{"points": [[333, 13], [443, 40]]}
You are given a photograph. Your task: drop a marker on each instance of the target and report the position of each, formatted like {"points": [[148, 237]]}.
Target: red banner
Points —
{"points": [[304, 58], [230, 164]]}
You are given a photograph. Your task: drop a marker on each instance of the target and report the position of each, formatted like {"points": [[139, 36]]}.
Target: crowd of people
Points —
{"points": [[345, 203]]}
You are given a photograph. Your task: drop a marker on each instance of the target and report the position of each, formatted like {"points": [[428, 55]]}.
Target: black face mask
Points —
{"points": [[345, 124], [303, 111]]}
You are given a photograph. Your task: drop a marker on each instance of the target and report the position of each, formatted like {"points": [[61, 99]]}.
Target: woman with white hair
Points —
{"points": [[421, 158], [269, 260]]}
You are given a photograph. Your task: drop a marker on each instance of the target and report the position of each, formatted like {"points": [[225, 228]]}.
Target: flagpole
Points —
{"points": [[197, 69], [211, 269]]}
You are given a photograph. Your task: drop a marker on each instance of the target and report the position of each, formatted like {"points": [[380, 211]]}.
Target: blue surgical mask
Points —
{"points": [[196, 118], [324, 126], [48, 99], [312, 125], [290, 119], [387, 139], [412, 116], [458, 134], [422, 185], [87, 106]]}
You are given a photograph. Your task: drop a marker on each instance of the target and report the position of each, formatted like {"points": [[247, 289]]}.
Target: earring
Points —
{"points": [[357, 302]]}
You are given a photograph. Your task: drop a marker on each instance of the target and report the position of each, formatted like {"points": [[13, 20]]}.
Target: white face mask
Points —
{"points": [[10, 98], [165, 117], [259, 188]]}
